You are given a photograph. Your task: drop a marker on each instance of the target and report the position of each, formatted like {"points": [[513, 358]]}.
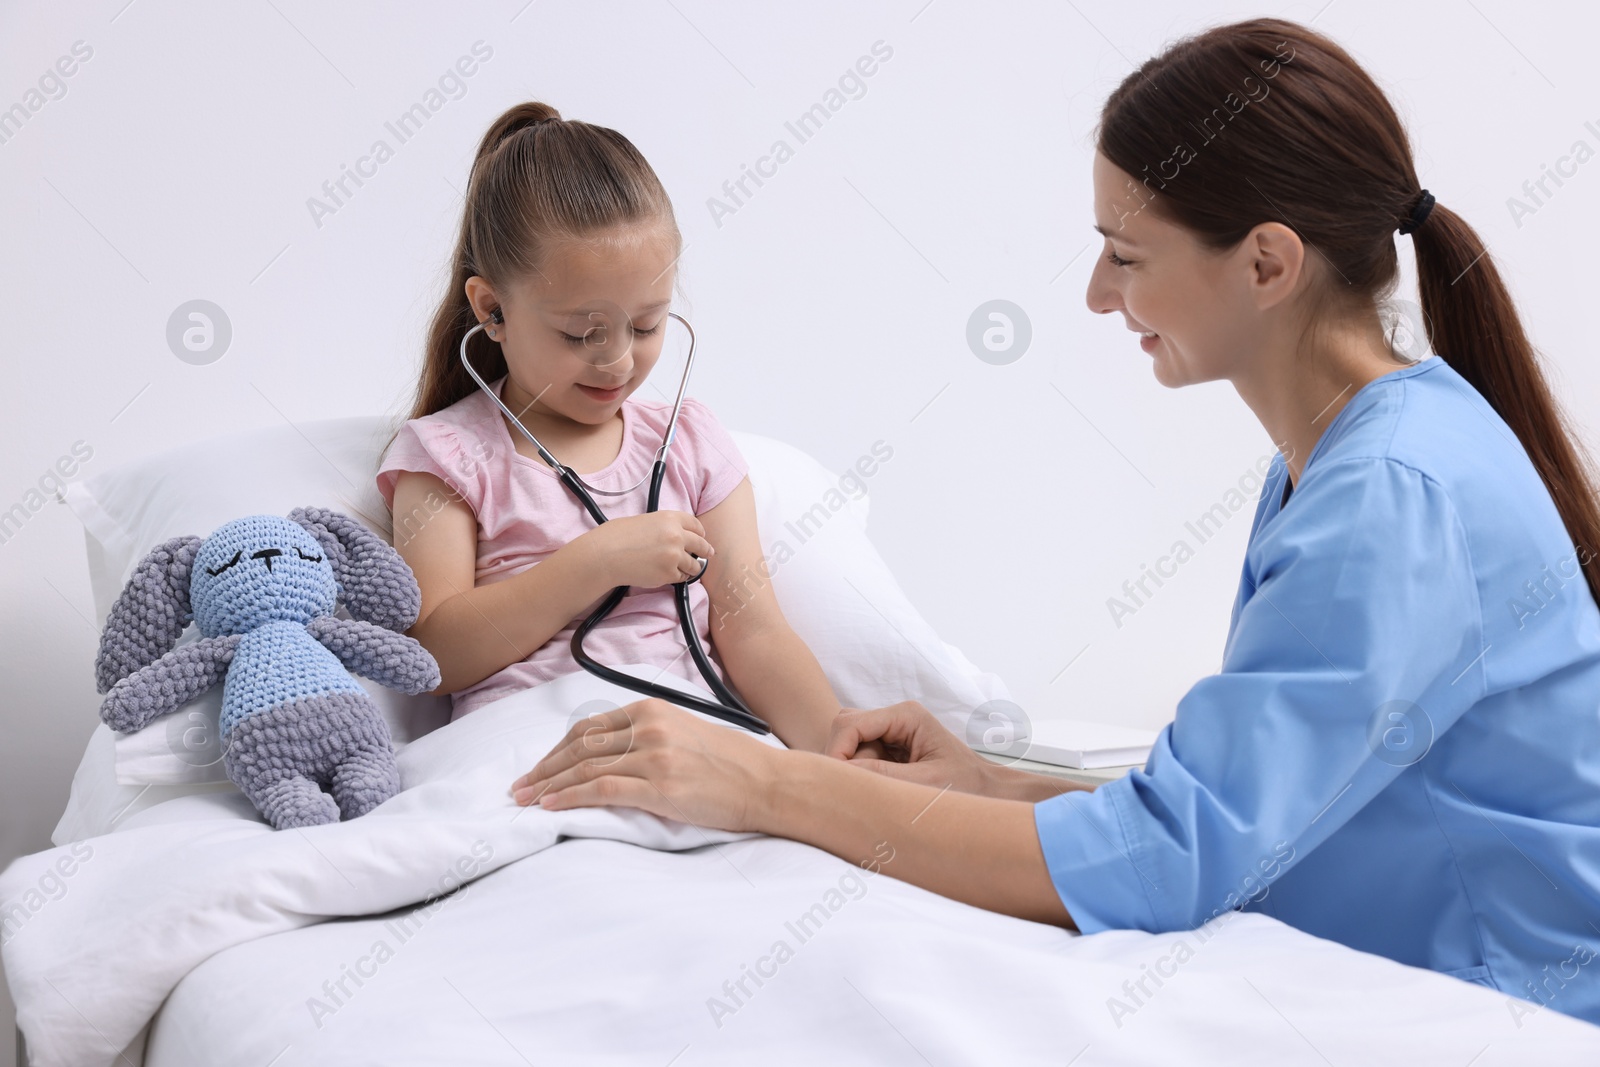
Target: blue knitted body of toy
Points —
{"points": [[278, 663], [264, 578]]}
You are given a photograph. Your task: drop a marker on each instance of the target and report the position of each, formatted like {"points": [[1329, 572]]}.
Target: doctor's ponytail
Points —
{"points": [[1473, 323], [537, 179], [1267, 120]]}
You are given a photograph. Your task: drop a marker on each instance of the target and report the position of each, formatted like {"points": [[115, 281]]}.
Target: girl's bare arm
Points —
{"points": [[474, 631], [769, 665]]}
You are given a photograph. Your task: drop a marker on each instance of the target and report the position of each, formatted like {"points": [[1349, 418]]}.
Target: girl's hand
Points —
{"points": [[905, 741], [654, 756], [648, 550]]}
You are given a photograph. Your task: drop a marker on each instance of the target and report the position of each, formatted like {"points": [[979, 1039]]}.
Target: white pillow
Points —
{"points": [[840, 597], [836, 591], [192, 489]]}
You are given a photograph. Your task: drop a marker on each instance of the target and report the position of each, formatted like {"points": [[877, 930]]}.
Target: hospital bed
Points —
{"points": [[449, 926]]}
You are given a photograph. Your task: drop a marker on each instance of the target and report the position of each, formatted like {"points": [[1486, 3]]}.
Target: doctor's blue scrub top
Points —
{"points": [[1401, 751]]}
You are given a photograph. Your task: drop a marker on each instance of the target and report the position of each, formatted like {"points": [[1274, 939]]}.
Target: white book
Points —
{"points": [[1077, 744]]}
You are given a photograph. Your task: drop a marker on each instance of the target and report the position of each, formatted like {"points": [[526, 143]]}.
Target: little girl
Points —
{"points": [[568, 233]]}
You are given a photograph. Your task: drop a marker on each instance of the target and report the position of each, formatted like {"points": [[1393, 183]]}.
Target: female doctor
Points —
{"points": [[1403, 742]]}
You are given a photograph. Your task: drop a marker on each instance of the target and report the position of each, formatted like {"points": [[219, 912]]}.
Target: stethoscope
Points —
{"points": [[731, 708]]}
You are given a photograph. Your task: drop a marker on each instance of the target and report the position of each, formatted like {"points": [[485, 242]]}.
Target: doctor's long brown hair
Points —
{"points": [[1267, 120], [537, 178]]}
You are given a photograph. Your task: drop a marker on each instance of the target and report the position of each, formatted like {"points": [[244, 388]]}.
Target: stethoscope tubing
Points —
{"points": [[732, 709]]}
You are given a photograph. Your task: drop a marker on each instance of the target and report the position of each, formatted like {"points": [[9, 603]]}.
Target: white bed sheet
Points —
{"points": [[602, 952]]}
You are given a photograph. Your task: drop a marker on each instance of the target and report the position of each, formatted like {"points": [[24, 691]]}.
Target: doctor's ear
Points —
{"points": [[1276, 260]]}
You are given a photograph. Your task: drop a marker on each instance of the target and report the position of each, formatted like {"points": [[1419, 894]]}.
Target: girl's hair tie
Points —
{"points": [[1419, 214]]}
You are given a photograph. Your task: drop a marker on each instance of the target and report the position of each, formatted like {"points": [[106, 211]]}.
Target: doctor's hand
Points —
{"points": [[905, 741], [654, 756]]}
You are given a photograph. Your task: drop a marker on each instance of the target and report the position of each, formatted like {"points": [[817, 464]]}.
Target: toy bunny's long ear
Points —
{"points": [[375, 584], [149, 615]]}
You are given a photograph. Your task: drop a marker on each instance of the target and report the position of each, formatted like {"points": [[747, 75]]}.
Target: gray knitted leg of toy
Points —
{"points": [[367, 777], [293, 801], [269, 771], [281, 758]]}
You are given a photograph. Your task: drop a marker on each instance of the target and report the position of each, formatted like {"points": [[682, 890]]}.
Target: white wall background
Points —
{"points": [[832, 307]]}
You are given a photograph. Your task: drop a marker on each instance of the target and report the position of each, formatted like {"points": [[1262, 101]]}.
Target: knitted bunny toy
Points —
{"points": [[263, 591]]}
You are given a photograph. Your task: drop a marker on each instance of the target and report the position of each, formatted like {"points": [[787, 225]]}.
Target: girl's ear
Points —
{"points": [[483, 301], [375, 584], [149, 615]]}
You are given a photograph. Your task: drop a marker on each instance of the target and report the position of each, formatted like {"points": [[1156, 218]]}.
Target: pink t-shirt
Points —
{"points": [[525, 513]]}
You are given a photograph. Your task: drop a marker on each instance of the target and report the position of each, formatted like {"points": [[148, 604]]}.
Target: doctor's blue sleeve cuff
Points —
{"points": [[1091, 859]]}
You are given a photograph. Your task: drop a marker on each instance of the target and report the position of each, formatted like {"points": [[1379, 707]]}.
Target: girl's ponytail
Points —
{"points": [[537, 178], [517, 118], [1473, 325]]}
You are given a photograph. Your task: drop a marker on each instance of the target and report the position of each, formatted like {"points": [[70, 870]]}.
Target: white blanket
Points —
{"points": [[765, 951], [611, 953], [91, 954]]}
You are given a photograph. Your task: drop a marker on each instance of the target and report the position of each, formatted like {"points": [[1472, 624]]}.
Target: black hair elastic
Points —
{"points": [[1419, 214]]}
